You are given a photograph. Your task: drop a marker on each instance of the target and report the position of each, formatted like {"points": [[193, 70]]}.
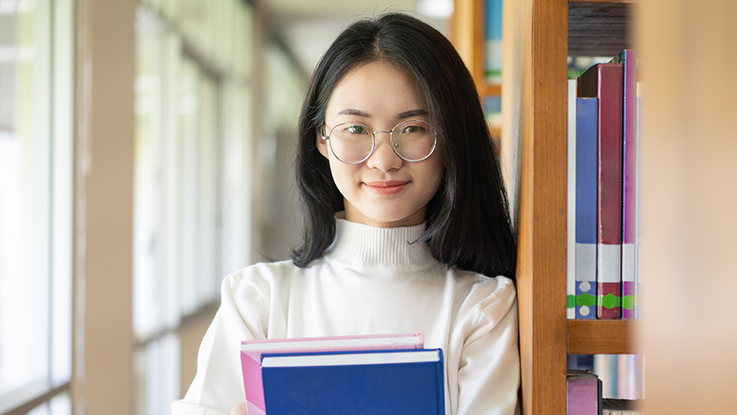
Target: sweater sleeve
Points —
{"points": [[489, 366], [218, 384]]}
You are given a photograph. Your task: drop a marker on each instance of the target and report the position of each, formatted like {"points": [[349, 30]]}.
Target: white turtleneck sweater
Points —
{"points": [[370, 281]]}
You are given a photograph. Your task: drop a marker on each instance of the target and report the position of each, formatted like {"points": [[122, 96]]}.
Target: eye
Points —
{"points": [[411, 129], [356, 129]]}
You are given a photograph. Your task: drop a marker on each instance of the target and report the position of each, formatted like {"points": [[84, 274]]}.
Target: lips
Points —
{"points": [[386, 188]]}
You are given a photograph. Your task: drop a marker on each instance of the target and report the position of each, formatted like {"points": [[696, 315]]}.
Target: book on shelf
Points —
{"points": [[605, 82], [630, 374], [638, 199], [583, 393], [493, 42], [621, 375], [252, 351], [587, 121], [620, 407], [365, 382], [628, 60], [571, 196]]}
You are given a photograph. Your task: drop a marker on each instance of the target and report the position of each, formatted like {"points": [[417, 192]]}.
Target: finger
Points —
{"points": [[239, 410]]}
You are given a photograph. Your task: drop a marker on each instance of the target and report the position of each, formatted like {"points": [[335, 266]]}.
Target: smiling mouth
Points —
{"points": [[386, 188]]}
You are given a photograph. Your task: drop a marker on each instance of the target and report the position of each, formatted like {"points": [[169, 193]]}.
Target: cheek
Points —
{"points": [[434, 173], [342, 174]]}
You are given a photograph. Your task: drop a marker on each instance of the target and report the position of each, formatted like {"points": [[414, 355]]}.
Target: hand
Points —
{"points": [[239, 410]]}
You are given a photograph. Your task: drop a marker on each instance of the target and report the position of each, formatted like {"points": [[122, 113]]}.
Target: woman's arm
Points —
{"points": [[218, 385], [489, 367]]}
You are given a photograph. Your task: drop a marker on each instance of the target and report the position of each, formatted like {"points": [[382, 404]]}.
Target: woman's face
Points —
{"points": [[384, 191]]}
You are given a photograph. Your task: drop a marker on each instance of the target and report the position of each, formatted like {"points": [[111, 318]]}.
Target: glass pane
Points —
{"points": [[62, 195], [156, 220], [195, 18], [209, 192], [188, 130], [25, 189], [157, 378], [147, 316], [58, 405], [61, 405]]}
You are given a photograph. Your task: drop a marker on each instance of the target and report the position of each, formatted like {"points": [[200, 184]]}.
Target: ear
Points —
{"points": [[322, 145]]}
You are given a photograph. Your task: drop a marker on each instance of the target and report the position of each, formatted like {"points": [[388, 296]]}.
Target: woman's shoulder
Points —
{"points": [[260, 277], [483, 282], [486, 294]]}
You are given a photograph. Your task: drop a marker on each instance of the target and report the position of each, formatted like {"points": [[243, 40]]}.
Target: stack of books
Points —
{"points": [[340, 375], [584, 397]]}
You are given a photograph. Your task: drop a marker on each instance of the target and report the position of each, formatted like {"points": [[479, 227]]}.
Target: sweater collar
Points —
{"points": [[362, 244]]}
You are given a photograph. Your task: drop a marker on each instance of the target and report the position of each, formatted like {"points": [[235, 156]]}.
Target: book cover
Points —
{"points": [[583, 393], [381, 382], [606, 369], [629, 376], [605, 82], [571, 213], [252, 350], [587, 127], [629, 181]]}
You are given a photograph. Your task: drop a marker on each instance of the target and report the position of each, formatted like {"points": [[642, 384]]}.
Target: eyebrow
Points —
{"points": [[406, 114]]}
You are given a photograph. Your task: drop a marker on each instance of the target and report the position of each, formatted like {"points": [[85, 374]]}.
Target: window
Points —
{"points": [[35, 205], [191, 184]]}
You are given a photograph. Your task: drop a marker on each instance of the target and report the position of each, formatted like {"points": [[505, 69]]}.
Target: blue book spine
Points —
{"points": [[586, 196]]}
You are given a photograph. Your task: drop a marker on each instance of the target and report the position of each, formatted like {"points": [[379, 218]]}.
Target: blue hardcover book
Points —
{"points": [[586, 197], [374, 382]]}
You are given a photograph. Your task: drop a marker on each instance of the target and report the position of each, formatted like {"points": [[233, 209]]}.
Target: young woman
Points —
{"points": [[406, 225]]}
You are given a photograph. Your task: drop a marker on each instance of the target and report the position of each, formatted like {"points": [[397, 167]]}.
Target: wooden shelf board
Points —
{"points": [[598, 28], [601, 337]]}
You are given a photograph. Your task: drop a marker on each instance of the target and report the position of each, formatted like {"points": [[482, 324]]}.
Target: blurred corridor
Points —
{"points": [[145, 153]]}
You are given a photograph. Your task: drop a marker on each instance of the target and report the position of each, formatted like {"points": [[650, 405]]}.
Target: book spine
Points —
{"points": [[605, 367], [582, 395], [571, 213], [607, 85], [585, 206], [493, 40], [638, 198], [629, 182]]}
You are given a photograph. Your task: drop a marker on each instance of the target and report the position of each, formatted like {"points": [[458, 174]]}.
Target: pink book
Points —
{"points": [[251, 351], [583, 393]]}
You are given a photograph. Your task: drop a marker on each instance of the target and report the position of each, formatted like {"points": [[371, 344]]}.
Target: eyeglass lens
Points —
{"points": [[411, 140]]}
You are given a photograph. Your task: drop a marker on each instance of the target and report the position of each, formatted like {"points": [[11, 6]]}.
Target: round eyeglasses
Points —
{"points": [[353, 143]]}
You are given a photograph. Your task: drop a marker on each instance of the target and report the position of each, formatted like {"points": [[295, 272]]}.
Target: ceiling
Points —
{"points": [[308, 26]]}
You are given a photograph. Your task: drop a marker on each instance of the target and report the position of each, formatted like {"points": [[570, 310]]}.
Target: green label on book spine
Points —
{"points": [[628, 302], [585, 300], [609, 301]]}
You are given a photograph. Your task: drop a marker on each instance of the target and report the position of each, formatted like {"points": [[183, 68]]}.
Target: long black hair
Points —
{"points": [[467, 220]]}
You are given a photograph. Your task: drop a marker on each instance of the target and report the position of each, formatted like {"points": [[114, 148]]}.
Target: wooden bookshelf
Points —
{"points": [[539, 35], [546, 336], [467, 34]]}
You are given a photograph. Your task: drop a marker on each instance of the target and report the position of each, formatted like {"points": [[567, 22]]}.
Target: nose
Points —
{"points": [[384, 158]]}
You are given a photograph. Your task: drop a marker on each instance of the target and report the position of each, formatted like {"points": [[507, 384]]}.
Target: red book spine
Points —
{"points": [[605, 82]]}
